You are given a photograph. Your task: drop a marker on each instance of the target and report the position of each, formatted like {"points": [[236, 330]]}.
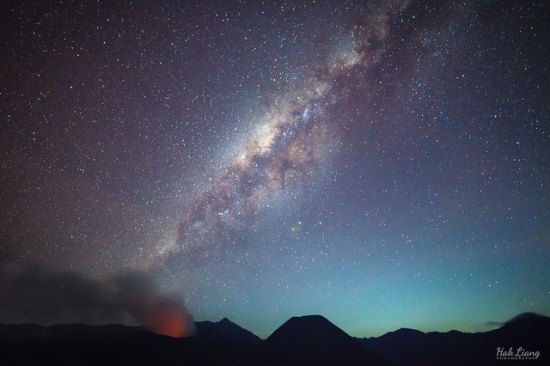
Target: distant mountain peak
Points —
{"points": [[528, 316], [312, 327], [313, 339], [409, 330], [311, 317], [225, 331]]}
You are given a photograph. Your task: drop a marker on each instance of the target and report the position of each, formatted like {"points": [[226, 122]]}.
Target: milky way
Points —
{"points": [[289, 144]]}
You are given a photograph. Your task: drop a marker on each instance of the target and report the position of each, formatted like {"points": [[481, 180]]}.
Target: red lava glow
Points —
{"points": [[169, 317]]}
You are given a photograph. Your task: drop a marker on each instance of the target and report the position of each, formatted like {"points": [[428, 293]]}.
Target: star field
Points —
{"points": [[384, 164]]}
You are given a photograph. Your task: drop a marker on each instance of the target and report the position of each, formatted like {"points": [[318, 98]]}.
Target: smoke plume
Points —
{"points": [[34, 295]]}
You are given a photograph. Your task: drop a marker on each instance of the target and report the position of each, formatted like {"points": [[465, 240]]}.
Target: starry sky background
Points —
{"points": [[384, 164]]}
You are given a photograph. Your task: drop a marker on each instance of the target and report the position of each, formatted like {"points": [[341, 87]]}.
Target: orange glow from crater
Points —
{"points": [[169, 317]]}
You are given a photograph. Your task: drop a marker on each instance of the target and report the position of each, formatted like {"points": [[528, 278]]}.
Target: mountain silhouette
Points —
{"points": [[78, 344], [526, 332], [313, 340], [226, 332], [526, 318], [228, 340], [306, 340]]}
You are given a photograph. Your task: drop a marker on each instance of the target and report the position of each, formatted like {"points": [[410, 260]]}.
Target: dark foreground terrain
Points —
{"points": [[308, 340]]}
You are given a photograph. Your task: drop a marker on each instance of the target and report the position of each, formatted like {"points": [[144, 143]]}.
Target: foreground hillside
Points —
{"points": [[524, 339], [307, 340]]}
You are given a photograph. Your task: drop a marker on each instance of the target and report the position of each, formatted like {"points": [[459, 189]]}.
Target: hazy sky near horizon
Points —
{"points": [[384, 164]]}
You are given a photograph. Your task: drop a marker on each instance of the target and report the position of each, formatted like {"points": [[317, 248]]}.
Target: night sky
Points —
{"points": [[383, 163]]}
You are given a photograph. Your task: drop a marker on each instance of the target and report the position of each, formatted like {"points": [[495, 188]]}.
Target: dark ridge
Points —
{"points": [[409, 347], [225, 331], [306, 340], [12, 333], [77, 344], [313, 340], [315, 328], [526, 317]]}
